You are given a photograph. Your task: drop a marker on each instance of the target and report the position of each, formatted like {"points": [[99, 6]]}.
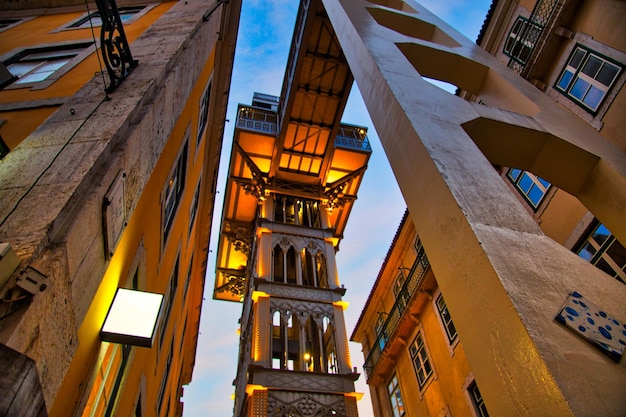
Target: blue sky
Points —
{"points": [[264, 38]]}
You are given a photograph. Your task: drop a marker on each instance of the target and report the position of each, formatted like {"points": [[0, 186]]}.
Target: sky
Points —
{"points": [[265, 32]]}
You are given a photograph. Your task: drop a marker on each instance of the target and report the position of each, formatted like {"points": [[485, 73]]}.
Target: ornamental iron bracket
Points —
{"points": [[257, 185], [335, 192], [240, 236], [115, 49]]}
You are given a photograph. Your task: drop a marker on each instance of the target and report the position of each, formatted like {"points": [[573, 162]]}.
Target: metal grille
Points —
{"points": [[412, 283], [530, 35]]}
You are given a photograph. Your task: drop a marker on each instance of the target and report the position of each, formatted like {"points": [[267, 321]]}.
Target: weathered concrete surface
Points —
{"points": [[503, 280]]}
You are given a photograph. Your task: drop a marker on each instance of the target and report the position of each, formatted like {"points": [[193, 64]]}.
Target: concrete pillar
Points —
{"points": [[503, 280], [341, 341], [262, 339]]}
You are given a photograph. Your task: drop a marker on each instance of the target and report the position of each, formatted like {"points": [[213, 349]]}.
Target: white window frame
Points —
{"points": [[471, 398], [415, 353], [452, 340], [15, 55], [82, 22], [537, 183], [395, 408], [593, 251], [575, 74], [203, 111]]}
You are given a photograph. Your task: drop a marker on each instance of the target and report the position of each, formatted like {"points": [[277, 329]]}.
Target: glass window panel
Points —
{"points": [[514, 173], [601, 234], [535, 194], [566, 78], [592, 66], [579, 89], [20, 68], [607, 74], [577, 58], [543, 182], [594, 97], [525, 183], [604, 266], [617, 253], [587, 252]]}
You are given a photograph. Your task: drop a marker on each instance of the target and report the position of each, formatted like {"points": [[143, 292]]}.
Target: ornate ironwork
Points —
{"points": [[532, 31], [236, 285], [385, 334], [257, 185], [240, 236], [115, 49]]}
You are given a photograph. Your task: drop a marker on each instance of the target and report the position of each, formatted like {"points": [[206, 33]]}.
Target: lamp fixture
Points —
{"points": [[132, 318]]}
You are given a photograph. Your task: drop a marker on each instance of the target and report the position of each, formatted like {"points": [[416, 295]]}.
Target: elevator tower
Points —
{"points": [[294, 174]]}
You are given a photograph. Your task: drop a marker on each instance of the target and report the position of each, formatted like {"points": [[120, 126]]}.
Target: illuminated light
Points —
{"points": [[238, 330], [132, 318], [356, 395], [250, 388], [307, 356], [232, 396], [343, 304], [258, 294]]}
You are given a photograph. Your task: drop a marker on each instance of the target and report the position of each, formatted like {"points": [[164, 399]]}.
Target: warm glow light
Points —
{"points": [[258, 294], [307, 356], [132, 318], [250, 388], [357, 395], [343, 304]]}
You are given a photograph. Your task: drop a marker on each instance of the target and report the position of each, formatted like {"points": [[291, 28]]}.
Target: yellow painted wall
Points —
{"points": [[561, 216], [145, 226], [44, 30]]}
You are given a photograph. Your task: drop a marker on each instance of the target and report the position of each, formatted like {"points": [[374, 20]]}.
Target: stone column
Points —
{"points": [[503, 280]]}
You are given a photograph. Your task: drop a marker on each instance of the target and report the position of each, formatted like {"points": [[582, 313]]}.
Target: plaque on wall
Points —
{"points": [[113, 214]]}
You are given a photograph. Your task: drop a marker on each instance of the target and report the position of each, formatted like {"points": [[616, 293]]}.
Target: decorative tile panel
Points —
{"points": [[594, 324]]}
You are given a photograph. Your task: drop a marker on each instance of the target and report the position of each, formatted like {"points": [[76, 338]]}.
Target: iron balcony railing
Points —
{"points": [[386, 332], [253, 118], [528, 38], [354, 137]]}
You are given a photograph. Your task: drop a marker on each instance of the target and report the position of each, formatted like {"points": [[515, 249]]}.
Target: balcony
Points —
{"points": [[412, 284], [253, 118], [353, 137]]}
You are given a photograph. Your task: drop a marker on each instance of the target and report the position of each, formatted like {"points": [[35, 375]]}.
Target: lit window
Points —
{"points": [[477, 400], [587, 78], [381, 334], [531, 187], [446, 319], [395, 396], [522, 39], [173, 191], [604, 251], [421, 363], [126, 13], [301, 212], [38, 64], [203, 115]]}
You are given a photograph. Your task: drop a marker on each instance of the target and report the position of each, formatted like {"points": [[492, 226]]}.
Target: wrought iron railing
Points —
{"points": [[253, 118], [530, 35], [386, 332], [354, 137]]}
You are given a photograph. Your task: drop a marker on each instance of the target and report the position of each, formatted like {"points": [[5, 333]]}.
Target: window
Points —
{"points": [[402, 297], [604, 251], [168, 300], [5, 23], [522, 39], [301, 212], [421, 363], [173, 191], [477, 400], [530, 186], [395, 396], [203, 115], [166, 373], [446, 319], [126, 13], [381, 334], [587, 78], [38, 64], [194, 207]]}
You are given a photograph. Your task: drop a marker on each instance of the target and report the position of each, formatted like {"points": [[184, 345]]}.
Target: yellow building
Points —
{"points": [[101, 193], [414, 340]]}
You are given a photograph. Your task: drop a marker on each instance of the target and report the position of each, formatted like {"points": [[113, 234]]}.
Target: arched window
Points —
{"points": [[322, 270], [309, 272], [292, 272], [278, 262]]}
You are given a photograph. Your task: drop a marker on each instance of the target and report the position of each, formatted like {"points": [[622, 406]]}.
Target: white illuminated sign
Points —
{"points": [[132, 318]]}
